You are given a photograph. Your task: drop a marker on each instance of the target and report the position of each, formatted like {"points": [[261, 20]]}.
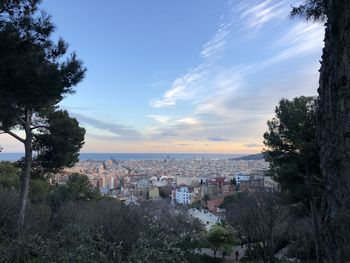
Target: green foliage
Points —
{"points": [[206, 198], [262, 221], [293, 151], [72, 243], [58, 146], [9, 176], [233, 181], [221, 237], [39, 188], [32, 73], [98, 231], [10, 180], [311, 10], [8, 208], [35, 75], [230, 199], [77, 188], [165, 191]]}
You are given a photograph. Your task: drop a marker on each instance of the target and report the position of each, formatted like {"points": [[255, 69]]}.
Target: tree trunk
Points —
{"points": [[316, 226], [334, 130], [28, 159], [314, 213]]}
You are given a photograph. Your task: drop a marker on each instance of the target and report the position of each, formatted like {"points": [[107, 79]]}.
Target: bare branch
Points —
{"points": [[39, 126], [21, 119], [12, 134]]}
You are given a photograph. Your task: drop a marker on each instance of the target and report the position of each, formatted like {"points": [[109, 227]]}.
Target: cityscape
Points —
{"points": [[194, 183], [193, 131]]}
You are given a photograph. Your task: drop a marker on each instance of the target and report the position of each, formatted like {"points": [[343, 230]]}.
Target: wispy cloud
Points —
{"points": [[215, 47], [225, 84], [253, 145], [301, 39], [180, 89], [188, 86], [230, 98], [218, 139], [160, 118], [187, 121], [117, 130], [255, 16]]}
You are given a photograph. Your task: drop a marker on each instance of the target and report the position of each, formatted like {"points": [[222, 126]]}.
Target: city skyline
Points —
{"points": [[184, 76]]}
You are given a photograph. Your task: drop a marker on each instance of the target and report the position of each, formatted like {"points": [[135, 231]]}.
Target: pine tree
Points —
{"points": [[35, 75]]}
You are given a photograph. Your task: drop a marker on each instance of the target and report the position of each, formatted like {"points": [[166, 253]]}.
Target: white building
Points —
{"points": [[241, 177], [183, 195], [207, 219]]}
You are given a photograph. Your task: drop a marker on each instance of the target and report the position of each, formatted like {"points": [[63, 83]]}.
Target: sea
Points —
{"points": [[135, 156]]}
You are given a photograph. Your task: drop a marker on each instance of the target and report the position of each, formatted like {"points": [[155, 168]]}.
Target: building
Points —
{"points": [[252, 185], [239, 177], [214, 205], [184, 195], [153, 193], [208, 219]]}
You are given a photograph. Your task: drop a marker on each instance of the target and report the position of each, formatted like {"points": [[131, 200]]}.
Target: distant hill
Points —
{"points": [[257, 156]]}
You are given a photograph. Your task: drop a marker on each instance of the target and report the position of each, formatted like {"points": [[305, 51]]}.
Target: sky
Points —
{"points": [[191, 76]]}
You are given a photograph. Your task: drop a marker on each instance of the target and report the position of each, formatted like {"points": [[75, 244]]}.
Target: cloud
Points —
{"points": [[108, 138], [187, 121], [183, 144], [226, 83], [301, 39], [160, 118], [218, 139], [253, 145], [242, 76], [117, 130], [215, 47], [172, 128], [179, 89], [255, 16], [188, 86]]}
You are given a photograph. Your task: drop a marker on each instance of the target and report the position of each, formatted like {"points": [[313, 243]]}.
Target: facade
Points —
{"points": [[253, 185], [153, 193], [207, 218], [184, 195], [239, 177]]}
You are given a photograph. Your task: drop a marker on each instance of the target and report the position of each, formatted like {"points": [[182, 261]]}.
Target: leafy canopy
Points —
{"points": [[292, 149], [221, 237], [311, 10], [9, 176], [77, 188], [35, 75]]}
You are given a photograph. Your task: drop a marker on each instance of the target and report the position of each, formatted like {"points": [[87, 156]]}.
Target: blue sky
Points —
{"points": [[185, 75]]}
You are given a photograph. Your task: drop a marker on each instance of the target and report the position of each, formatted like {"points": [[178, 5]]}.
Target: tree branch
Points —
{"points": [[12, 134], [21, 120], [39, 126]]}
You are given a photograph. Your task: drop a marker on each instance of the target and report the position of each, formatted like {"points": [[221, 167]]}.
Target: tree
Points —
{"points": [[34, 78], [221, 237], [9, 176], [206, 198], [293, 154], [333, 122], [262, 221], [77, 188], [312, 10]]}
